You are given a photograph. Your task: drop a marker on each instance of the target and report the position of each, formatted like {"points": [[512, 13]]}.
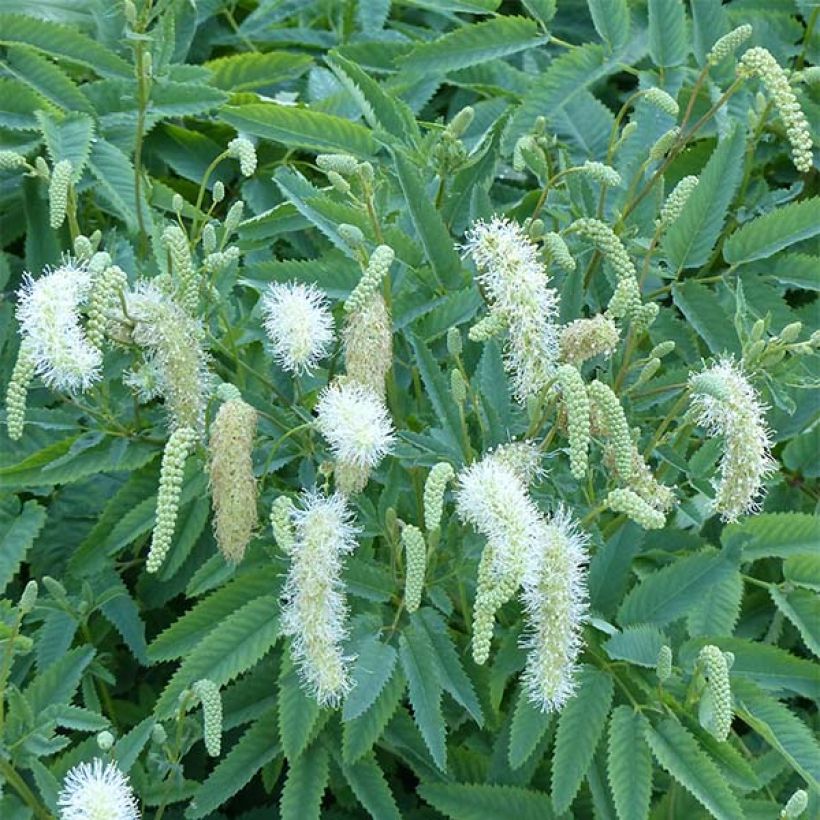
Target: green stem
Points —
{"points": [[21, 787]]}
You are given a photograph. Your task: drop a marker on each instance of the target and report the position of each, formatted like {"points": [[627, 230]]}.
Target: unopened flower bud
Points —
{"points": [[105, 740]]}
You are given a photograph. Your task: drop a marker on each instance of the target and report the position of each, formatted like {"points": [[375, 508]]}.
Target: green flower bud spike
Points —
{"points": [[208, 694], [58, 193], [576, 403], [434, 489], [795, 806], [632, 505], [663, 666], [17, 391], [415, 555], [281, 521], [719, 692]]}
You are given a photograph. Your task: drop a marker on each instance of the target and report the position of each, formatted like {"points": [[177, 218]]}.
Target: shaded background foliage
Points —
{"points": [[426, 732]]}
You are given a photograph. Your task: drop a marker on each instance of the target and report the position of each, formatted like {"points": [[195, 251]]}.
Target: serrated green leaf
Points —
{"points": [[765, 236], [251, 752], [305, 785], [717, 614], [637, 644], [359, 734], [629, 764], [479, 801], [803, 570], [690, 239], [774, 535], [417, 659], [371, 789], [375, 662], [797, 269], [55, 637], [69, 137], [298, 712], [175, 99], [251, 70], [56, 686], [580, 726], [47, 79], [16, 539], [667, 594], [668, 40], [780, 728], [301, 127], [123, 612], [474, 44], [115, 176], [243, 638], [679, 753], [129, 747], [529, 725], [611, 20]]}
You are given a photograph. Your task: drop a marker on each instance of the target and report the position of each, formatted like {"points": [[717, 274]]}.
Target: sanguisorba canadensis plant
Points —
{"points": [[410, 409]]}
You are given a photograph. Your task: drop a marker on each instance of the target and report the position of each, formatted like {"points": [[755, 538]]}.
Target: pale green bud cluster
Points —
{"points": [[492, 592], [105, 293], [610, 416], [220, 260], [234, 217], [17, 391], [795, 806], [83, 248], [281, 522], [342, 164], [728, 44], [600, 172], [435, 485], [627, 294], [492, 325], [339, 183], [461, 122], [218, 192], [458, 387], [648, 371], [369, 284], [351, 234], [243, 150], [228, 392], [208, 694], [183, 267], [663, 665], [576, 404], [209, 238], [632, 505], [662, 100], [584, 339], [158, 734], [368, 343], [176, 452], [415, 557], [11, 161], [177, 203], [759, 62], [664, 143], [105, 741], [558, 252], [58, 193], [233, 486], [28, 599], [673, 206], [718, 711], [454, 343], [662, 349]]}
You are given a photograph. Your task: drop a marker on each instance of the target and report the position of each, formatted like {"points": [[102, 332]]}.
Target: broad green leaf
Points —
{"points": [[371, 789], [301, 127], [474, 44], [129, 747], [717, 614], [611, 19], [417, 660], [707, 316], [679, 753], [174, 99], [375, 662], [638, 644], [629, 764], [249, 754], [803, 570], [668, 40], [251, 70], [802, 608], [690, 239], [765, 236], [47, 79], [529, 725], [305, 785], [16, 538], [115, 177], [298, 712], [779, 535], [797, 269], [580, 726], [69, 137], [480, 801], [123, 612]]}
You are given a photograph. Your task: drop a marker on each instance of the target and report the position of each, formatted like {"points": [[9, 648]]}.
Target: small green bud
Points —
{"points": [[58, 193], [755, 349], [208, 693], [234, 217], [536, 228], [29, 598], [718, 708], [487, 328], [415, 552], [791, 332], [662, 349], [218, 193], [338, 182], [454, 345], [281, 521], [366, 173], [648, 371], [663, 666], [664, 144], [209, 238], [434, 488], [158, 734], [177, 203], [243, 150], [11, 161], [338, 163], [757, 331], [130, 13], [351, 235], [632, 505], [796, 805], [41, 166], [461, 122], [540, 125], [105, 741], [663, 101], [457, 386]]}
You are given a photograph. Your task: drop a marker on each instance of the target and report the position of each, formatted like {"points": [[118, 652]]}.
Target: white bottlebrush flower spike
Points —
{"points": [[725, 404], [356, 424], [554, 596], [516, 285], [299, 324], [97, 791], [49, 314], [314, 611]]}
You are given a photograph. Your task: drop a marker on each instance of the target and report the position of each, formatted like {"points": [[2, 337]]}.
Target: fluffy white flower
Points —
{"points": [[299, 324], [97, 791], [314, 611], [725, 404], [516, 285], [356, 424], [49, 314], [554, 597]]}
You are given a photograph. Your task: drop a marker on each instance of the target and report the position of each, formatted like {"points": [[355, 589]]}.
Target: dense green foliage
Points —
{"points": [[116, 129]]}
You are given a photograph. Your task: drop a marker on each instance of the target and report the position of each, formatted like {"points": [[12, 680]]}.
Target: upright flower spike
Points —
{"points": [[49, 314], [632, 505], [584, 339], [726, 404], [299, 325], [663, 665], [522, 457], [663, 145], [281, 522], [233, 486], [58, 193], [673, 206], [601, 172], [105, 293], [759, 62], [314, 611], [434, 487], [718, 697], [177, 449], [516, 285], [209, 696], [377, 268], [96, 790], [662, 100], [554, 597], [610, 415], [17, 391], [558, 252], [242, 149], [576, 404], [183, 267], [368, 344], [415, 562], [795, 805]]}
